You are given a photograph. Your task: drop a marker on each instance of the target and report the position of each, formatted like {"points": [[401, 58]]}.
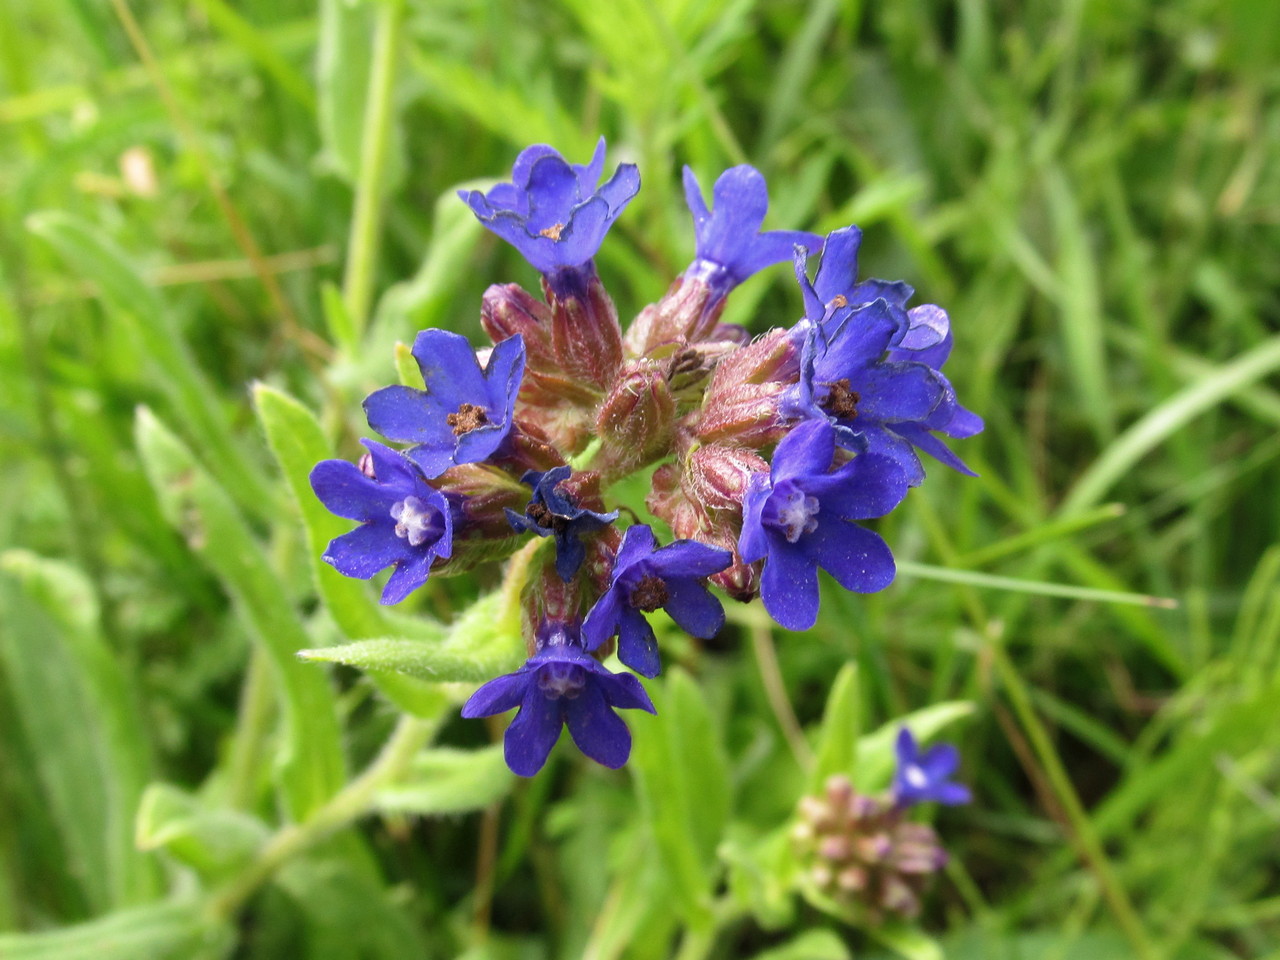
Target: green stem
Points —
{"points": [[366, 221], [257, 703], [1087, 840], [351, 802]]}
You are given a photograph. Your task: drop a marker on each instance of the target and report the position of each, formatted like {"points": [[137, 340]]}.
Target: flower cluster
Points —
{"points": [[767, 454], [862, 852]]}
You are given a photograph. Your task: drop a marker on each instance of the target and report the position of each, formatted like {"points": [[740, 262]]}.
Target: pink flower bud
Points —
{"points": [[586, 340], [685, 314], [508, 309], [637, 418], [717, 475]]}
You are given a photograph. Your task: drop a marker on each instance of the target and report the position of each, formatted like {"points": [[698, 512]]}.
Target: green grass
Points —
{"points": [[1091, 190]]}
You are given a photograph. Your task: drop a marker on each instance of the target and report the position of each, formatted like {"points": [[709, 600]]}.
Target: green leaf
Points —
{"points": [[349, 914], [810, 945], [910, 942], [451, 662], [446, 780], [148, 323], [837, 750], [212, 841], [160, 931], [79, 711], [194, 504], [682, 778]]}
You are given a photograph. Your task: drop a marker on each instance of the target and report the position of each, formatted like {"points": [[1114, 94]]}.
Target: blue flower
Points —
{"points": [[403, 521], [551, 512], [561, 684], [878, 404], [922, 777], [796, 519], [645, 578], [836, 283], [730, 247], [552, 211], [465, 413]]}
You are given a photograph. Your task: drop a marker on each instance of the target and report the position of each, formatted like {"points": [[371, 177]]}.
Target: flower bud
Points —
{"points": [[507, 309], [637, 418], [717, 474], [586, 340], [686, 314], [742, 400], [859, 851]]}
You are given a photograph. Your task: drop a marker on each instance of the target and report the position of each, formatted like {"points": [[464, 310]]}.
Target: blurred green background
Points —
{"points": [[198, 195]]}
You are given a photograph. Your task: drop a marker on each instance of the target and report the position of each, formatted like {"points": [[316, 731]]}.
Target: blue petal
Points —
{"points": [[621, 690], [693, 607], [753, 542], [868, 486], [367, 549], [886, 443], [596, 729], [688, 558], [963, 423], [601, 621], [896, 392], [638, 542], [858, 559], [503, 374], [570, 553], [589, 173], [410, 574], [806, 450], [553, 193], [533, 732], [637, 646], [856, 338], [693, 197], [498, 695], [347, 492], [838, 271], [789, 585], [620, 189], [740, 200], [410, 416], [932, 446], [450, 369]]}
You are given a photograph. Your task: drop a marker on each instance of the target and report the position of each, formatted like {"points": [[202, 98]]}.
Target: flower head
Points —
{"points": [[730, 246], [552, 211], [646, 578], [465, 413], [877, 404], [561, 684], [797, 519], [552, 512], [403, 521], [922, 777]]}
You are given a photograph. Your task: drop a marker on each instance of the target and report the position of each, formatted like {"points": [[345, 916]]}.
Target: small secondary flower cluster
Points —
{"points": [[861, 851], [768, 450]]}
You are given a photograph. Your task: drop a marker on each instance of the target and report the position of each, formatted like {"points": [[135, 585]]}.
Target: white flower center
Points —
{"points": [[915, 776], [797, 514], [416, 521]]}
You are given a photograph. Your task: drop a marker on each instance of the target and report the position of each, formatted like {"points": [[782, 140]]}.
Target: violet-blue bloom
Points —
{"points": [[876, 404], [645, 578], [553, 211], [923, 777], [551, 512], [561, 684], [465, 413], [797, 518], [730, 246], [403, 521]]}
